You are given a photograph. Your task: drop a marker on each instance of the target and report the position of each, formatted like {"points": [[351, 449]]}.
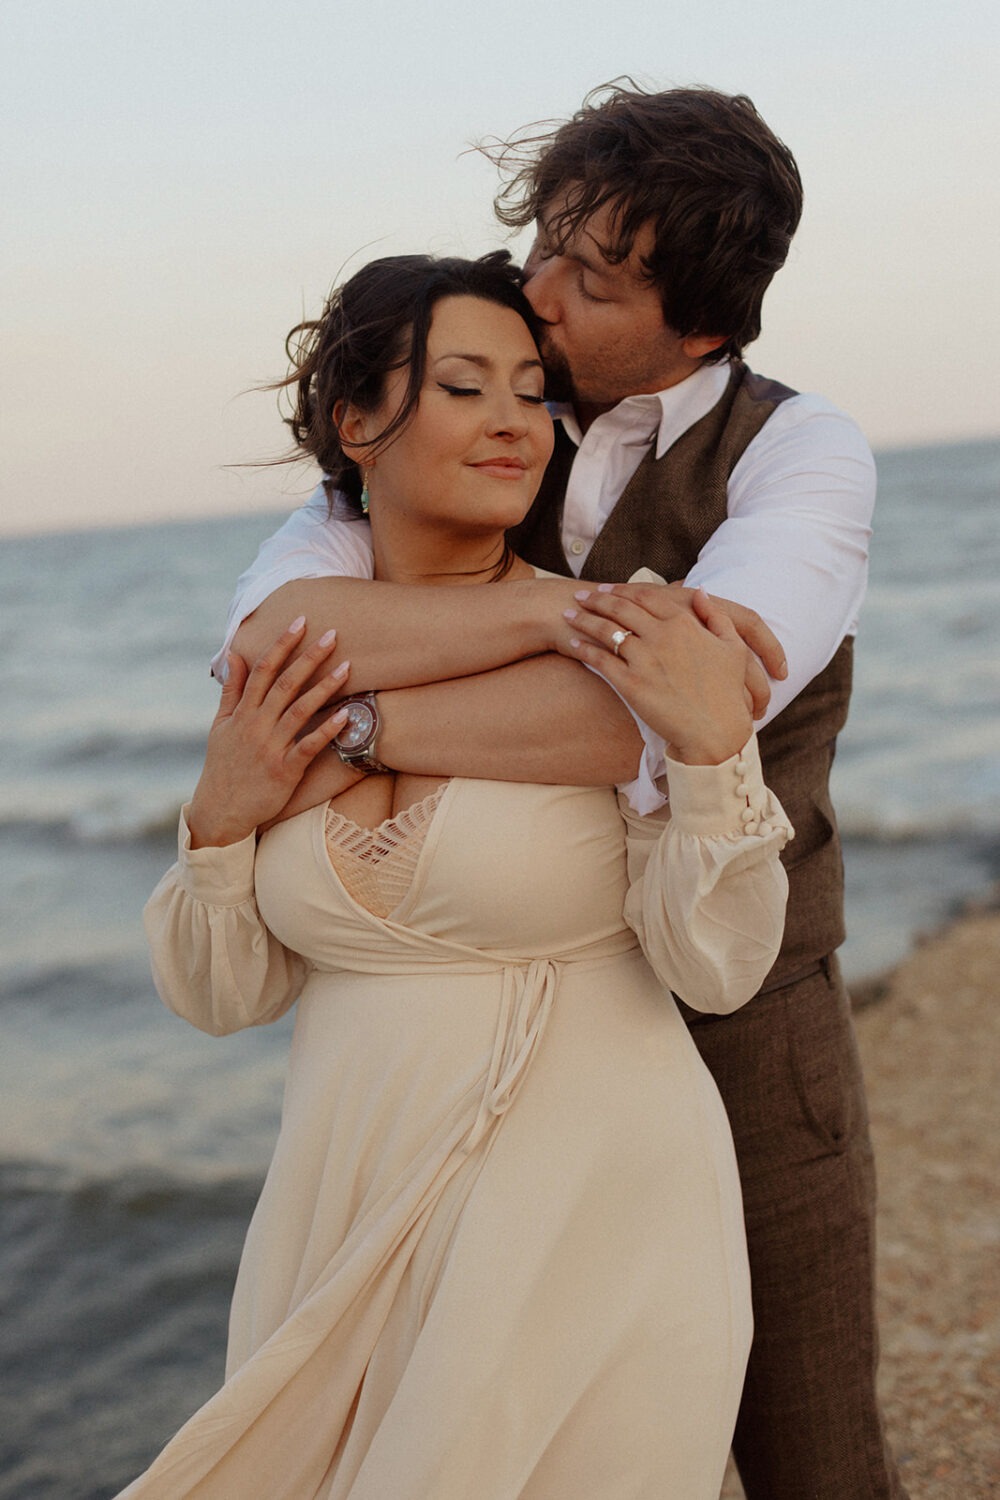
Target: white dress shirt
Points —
{"points": [[794, 546]]}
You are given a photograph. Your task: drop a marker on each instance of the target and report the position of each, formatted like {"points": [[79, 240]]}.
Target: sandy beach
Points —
{"points": [[930, 1040]]}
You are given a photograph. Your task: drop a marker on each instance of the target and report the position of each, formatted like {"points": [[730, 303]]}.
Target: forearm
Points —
{"points": [[399, 635], [546, 720]]}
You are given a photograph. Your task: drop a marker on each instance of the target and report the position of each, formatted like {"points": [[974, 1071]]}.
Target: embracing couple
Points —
{"points": [[501, 1251]]}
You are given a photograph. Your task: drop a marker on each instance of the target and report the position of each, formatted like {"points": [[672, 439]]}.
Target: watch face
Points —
{"points": [[359, 726]]}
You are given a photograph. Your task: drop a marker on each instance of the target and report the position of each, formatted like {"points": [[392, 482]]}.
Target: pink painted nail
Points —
{"points": [[570, 614], [605, 588], [296, 625], [574, 642], [342, 670], [327, 639], [337, 720], [583, 594]]}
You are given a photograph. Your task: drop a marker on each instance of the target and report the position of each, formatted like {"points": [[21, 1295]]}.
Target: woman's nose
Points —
{"points": [[507, 417]]}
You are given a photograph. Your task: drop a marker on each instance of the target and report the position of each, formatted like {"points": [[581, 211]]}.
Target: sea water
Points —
{"points": [[131, 1146]]}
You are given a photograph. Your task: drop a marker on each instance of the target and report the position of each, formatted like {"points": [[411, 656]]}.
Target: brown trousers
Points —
{"points": [[788, 1070]]}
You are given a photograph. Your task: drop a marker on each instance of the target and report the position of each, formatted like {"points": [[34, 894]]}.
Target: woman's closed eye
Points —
{"points": [[472, 390]]}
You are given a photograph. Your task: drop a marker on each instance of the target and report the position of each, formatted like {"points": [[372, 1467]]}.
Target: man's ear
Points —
{"points": [[697, 345]]}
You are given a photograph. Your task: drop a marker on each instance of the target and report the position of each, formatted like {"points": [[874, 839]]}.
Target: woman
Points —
{"points": [[499, 1250]]}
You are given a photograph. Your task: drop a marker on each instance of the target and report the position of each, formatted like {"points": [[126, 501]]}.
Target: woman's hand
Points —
{"points": [[682, 672], [259, 746], [764, 654]]}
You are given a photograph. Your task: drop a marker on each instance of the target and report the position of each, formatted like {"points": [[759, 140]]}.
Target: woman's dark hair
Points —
{"points": [[375, 323], [722, 194]]}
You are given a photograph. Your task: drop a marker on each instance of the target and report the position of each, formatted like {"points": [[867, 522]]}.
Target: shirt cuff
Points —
{"points": [[730, 798], [217, 875]]}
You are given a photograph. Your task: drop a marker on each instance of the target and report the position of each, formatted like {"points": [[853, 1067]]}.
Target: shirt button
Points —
{"points": [[576, 547]]}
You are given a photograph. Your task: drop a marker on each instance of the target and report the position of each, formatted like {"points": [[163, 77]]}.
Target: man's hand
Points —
{"points": [[764, 654]]}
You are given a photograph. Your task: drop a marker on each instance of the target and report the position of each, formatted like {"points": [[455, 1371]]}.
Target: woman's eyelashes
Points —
{"points": [[471, 390]]}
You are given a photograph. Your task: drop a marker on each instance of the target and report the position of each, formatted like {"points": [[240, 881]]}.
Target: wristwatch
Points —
{"points": [[355, 743]]}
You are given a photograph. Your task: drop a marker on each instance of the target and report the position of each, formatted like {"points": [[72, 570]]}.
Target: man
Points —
{"points": [[661, 220]]}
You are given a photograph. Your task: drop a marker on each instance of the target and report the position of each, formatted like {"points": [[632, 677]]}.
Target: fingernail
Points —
{"points": [[327, 639], [296, 625], [574, 642], [605, 588], [583, 594], [339, 718], [342, 670], [570, 614]]}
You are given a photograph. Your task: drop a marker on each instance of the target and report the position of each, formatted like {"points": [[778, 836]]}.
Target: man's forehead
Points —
{"points": [[597, 237]]}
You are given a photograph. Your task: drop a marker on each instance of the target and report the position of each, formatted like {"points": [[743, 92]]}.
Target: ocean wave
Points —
{"points": [[111, 747], [136, 1192], [920, 825], [108, 822], [115, 980]]}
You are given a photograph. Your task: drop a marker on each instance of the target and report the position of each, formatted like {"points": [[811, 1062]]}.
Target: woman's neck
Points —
{"points": [[403, 555]]}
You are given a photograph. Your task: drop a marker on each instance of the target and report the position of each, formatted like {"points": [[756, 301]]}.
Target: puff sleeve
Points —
{"points": [[707, 890], [214, 962]]}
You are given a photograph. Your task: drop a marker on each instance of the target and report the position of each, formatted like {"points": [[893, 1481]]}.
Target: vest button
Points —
{"points": [[576, 547]]}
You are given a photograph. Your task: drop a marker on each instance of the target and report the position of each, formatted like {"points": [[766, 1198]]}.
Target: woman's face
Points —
{"points": [[472, 456]]}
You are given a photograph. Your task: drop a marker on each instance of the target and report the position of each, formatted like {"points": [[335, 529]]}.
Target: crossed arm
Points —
{"points": [[471, 682]]}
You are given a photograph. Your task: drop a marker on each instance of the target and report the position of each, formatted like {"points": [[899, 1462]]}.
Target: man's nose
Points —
{"points": [[539, 285]]}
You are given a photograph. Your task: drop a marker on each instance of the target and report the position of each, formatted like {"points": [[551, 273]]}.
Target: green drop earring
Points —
{"points": [[366, 499]]}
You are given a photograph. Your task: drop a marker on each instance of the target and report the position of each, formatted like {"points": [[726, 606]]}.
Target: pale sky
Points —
{"points": [[182, 180]]}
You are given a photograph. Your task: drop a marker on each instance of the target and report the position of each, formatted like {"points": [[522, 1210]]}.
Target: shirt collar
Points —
{"points": [[664, 415]]}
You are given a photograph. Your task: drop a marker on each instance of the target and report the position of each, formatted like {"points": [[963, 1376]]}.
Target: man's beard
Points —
{"points": [[558, 380]]}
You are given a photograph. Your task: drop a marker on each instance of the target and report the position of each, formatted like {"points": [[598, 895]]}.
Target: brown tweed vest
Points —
{"points": [[666, 514]]}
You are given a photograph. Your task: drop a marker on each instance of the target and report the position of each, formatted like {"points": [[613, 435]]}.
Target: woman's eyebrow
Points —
{"points": [[484, 362]]}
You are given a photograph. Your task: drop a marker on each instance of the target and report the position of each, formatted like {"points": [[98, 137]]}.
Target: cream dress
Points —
{"points": [[499, 1252]]}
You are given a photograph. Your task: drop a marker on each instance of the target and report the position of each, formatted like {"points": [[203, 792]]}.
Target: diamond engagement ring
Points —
{"points": [[618, 639]]}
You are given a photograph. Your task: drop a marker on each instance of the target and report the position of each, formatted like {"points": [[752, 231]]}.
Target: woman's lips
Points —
{"points": [[501, 468]]}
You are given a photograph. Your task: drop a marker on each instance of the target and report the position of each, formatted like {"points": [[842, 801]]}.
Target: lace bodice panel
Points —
{"points": [[377, 865]]}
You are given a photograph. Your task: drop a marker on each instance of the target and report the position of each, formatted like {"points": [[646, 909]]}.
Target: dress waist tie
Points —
{"points": [[525, 1005]]}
